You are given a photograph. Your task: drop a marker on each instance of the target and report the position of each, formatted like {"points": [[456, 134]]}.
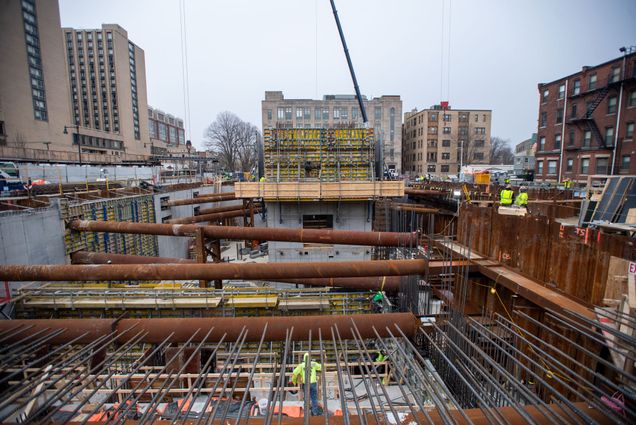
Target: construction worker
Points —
{"points": [[522, 197], [262, 179], [376, 302], [506, 195], [298, 376], [507, 180], [567, 184]]}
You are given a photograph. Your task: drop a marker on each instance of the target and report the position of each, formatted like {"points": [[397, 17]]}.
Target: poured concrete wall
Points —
{"points": [[32, 237], [347, 216]]}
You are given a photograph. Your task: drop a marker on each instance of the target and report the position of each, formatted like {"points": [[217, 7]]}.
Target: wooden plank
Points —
{"points": [[616, 285], [319, 190]]}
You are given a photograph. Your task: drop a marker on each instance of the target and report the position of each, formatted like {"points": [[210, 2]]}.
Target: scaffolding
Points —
{"points": [[325, 155]]}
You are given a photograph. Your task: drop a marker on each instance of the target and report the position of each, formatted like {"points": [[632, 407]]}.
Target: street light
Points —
{"points": [[79, 146]]}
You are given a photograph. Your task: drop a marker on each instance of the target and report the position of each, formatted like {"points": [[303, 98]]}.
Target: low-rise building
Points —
{"points": [[524, 156], [586, 122], [438, 141]]}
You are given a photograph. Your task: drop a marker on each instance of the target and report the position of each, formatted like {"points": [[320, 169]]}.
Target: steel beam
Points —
{"points": [[212, 217], [223, 271], [182, 329], [375, 283], [325, 236], [206, 199], [86, 257]]}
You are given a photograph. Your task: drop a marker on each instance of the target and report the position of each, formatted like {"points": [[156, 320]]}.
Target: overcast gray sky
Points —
{"points": [[499, 51]]}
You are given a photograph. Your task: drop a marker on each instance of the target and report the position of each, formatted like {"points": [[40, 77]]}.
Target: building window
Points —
{"points": [[539, 167], [447, 130], [480, 130], [344, 113], [163, 134], [173, 135], [609, 136], [615, 74], [629, 130], [573, 111], [632, 98], [280, 114], [288, 113], [569, 165], [299, 113], [446, 143], [602, 165], [391, 124], [544, 119], [585, 165], [269, 115], [317, 114], [571, 138], [432, 116], [133, 89], [181, 137], [447, 117], [463, 131], [561, 91], [591, 81], [479, 143], [445, 168], [625, 162], [431, 168], [541, 144], [307, 113], [151, 129], [557, 141], [29, 20], [546, 95], [552, 167], [446, 155], [559, 116], [478, 156], [611, 105], [587, 139], [432, 130], [325, 114], [377, 113]]}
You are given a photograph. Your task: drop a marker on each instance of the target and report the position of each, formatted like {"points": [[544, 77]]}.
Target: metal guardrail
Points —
{"points": [[44, 155]]}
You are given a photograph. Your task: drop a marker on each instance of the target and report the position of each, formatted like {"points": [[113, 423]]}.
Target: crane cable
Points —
{"points": [[184, 69]]}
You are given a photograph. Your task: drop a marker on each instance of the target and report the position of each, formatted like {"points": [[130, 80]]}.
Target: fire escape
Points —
{"points": [[586, 121]]}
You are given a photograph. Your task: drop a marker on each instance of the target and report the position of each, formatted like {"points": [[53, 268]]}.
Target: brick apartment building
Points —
{"points": [[439, 140], [586, 123]]}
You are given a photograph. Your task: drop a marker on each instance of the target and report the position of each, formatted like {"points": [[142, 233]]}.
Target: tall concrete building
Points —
{"points": [[384, 114], [167, 134], [439, 140], [586, 122], [34, 90], [60, 86], [107, 79]]}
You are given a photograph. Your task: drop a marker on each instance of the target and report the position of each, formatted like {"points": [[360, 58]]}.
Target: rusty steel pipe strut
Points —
{"points": [[217, 197], [218, 271], [376, 283], [216, 210], [182, 328], [87, 257], [214, 216], [325, 236]]}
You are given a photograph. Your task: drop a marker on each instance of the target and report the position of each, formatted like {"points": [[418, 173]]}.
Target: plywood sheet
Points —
{"points": [[616, 284]]}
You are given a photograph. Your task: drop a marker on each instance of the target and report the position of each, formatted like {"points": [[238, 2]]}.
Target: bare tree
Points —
{"points": [[500, 151], [234, 142], [247, 147]]}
